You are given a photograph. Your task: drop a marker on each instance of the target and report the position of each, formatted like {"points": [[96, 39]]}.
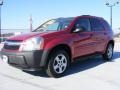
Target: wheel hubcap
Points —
{"points": [[110, 51], [60, 63]]}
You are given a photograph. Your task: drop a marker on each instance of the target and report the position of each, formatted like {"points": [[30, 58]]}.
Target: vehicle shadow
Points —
{"points": [[116, 56], [37, 73], [84, 65], [89, 63], [79, 66]]}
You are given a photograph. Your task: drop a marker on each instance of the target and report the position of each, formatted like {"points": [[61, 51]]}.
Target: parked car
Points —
{"points": [[2, 40], [57, 43]]}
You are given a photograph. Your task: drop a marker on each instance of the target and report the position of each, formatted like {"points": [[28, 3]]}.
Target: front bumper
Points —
{"points": [[25, 60]]}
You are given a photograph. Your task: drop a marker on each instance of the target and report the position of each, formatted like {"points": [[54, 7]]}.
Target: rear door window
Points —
{"points": [[96, 25]]}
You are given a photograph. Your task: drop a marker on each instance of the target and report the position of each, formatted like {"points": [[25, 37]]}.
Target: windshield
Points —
{"points": [[55, 24]]}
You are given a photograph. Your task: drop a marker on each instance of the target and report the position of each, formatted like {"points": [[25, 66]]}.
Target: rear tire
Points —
{"points": [[58, 63], [107, 56]]}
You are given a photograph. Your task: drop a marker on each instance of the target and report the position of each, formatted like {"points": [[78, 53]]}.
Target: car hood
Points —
{"points": [[26, 36]]}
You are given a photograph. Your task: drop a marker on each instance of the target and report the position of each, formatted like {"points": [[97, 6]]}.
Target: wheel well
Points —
{"points": [[111, 42], [59, 47]]}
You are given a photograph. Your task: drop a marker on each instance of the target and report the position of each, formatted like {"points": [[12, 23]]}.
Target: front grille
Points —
{"points": [[8, 47], [16, 41], [12, 45]]}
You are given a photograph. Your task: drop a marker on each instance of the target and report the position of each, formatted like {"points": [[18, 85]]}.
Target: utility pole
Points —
{"points": [[31, 24], [1, 3], [111, 10]]}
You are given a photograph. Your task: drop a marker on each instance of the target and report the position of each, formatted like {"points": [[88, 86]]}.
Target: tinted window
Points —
{"points": [[83, 22], [96, 25], [107, 26]]}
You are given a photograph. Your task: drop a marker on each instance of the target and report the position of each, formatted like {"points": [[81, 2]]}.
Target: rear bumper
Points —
{"points": [[31, 61]]}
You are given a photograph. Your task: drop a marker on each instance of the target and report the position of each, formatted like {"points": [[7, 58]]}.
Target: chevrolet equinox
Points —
{"points": [[57, 43]]}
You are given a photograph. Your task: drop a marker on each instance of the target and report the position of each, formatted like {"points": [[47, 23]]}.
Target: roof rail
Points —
{"points": [[93, 16], [85, 15]]}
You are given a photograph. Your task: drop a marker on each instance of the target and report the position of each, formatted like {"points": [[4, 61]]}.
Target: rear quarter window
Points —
{"points": [[106, 25]]}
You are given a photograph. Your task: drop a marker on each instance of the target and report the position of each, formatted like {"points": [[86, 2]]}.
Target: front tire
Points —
{"points": [[107, 56], [58, 63]]}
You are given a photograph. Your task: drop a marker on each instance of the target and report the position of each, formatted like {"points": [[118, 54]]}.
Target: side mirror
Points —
{"points": [[80, 29]]}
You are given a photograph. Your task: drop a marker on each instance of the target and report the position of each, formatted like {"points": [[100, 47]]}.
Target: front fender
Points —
{"points": [[53, 43]]}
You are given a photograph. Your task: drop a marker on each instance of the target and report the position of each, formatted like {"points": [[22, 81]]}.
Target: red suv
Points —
{"points": [[58, 42]]}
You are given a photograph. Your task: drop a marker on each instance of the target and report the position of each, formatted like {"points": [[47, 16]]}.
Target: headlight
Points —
{"points": [[35, 43]]}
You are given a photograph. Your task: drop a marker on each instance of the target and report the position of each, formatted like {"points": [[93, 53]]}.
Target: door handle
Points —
{"points": [[91, 35], [105, 33]]}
